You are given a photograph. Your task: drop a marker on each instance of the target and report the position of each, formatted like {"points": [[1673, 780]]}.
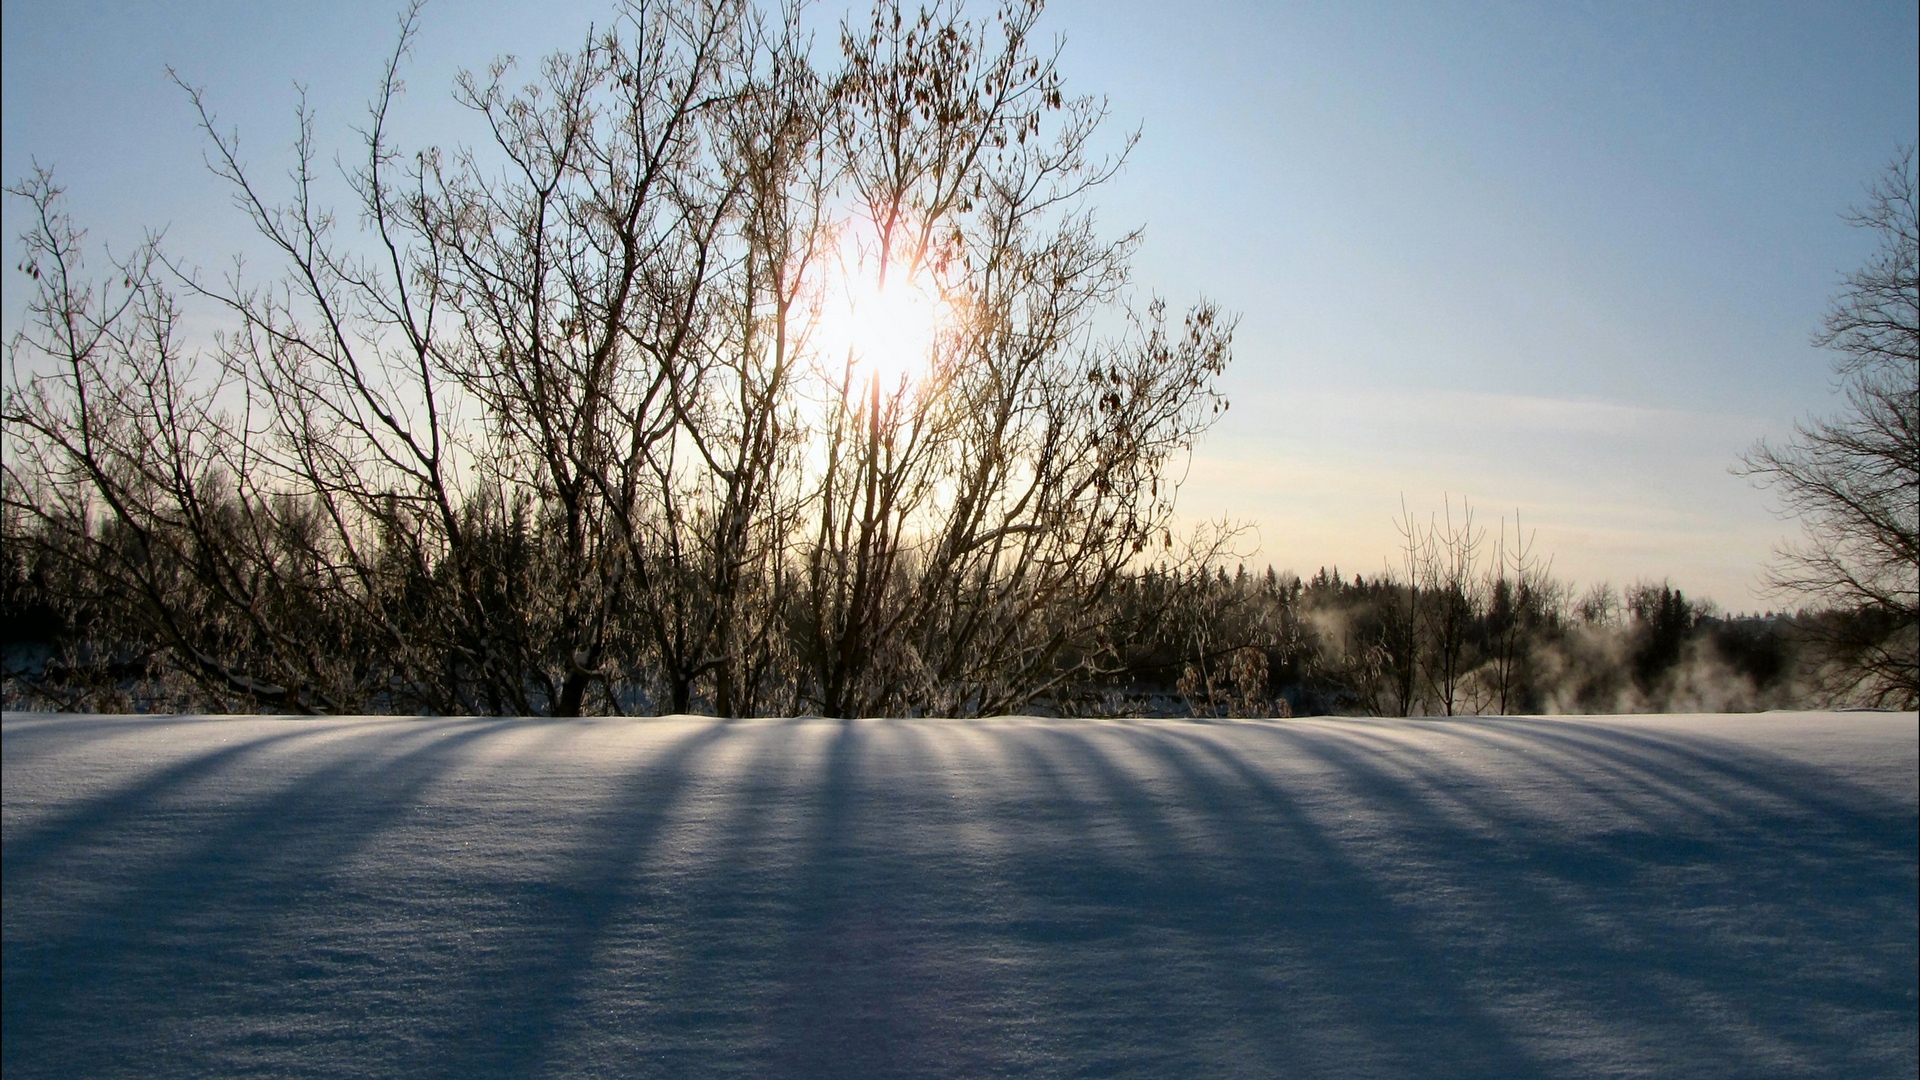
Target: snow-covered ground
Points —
{"points": [[1626, 896]]}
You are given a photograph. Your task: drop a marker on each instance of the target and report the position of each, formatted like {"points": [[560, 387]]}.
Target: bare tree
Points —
{"points": [[1403, 615], [124, 478], [970, 526], [1517, 590], [1450, 575], [1854, 480], [553, 431]]}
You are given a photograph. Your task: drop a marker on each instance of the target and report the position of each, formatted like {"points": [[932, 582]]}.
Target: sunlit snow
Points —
{"points": [[1631, 896]]}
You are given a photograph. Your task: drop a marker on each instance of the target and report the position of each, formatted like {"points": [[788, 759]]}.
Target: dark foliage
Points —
{"points": [[1271, 644]]}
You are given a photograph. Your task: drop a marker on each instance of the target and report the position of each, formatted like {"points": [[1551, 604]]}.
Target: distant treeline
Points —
{"points": [[1271, 644], [1467, 624], [1166, 640]]}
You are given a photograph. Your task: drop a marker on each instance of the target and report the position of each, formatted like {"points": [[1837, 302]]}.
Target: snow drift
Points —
{"points": [[1672, 896]]}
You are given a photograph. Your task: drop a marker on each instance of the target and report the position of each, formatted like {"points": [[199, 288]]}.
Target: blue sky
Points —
{"points": [[1558, 257]]}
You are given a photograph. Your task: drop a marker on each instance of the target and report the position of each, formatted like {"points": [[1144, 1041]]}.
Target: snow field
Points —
{"points": [[1623, 896]]}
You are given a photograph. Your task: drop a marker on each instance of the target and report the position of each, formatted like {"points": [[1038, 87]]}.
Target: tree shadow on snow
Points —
{"points": [[924, 898]]}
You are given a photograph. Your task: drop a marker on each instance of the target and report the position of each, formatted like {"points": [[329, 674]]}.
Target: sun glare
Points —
{"points": [[884, 330]]}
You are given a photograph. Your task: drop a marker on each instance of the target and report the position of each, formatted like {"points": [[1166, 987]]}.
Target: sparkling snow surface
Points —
{"points": [[1666, 896]]}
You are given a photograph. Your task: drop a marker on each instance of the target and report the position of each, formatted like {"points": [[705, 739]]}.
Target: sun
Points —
{"points": [[882, 327]]}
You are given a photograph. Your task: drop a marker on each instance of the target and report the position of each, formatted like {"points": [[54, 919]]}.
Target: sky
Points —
{"points": [[1560, 260]]}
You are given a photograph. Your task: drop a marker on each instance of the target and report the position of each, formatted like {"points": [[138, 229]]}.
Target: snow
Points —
{"points": [[1665, 896]]}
